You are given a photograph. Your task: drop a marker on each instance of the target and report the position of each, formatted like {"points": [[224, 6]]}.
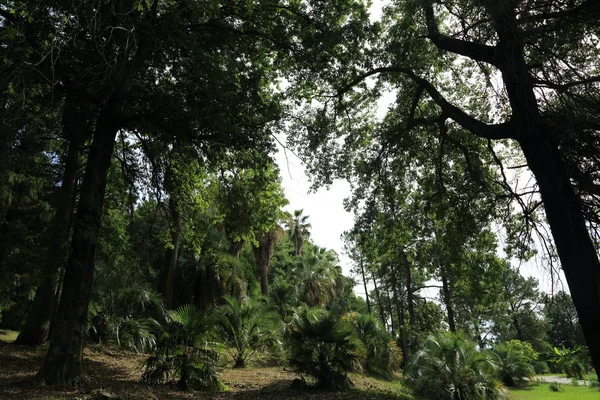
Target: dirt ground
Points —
{"points": [[115, 374]]}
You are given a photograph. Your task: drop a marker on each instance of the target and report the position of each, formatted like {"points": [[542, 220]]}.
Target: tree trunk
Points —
{"points": [[379, 302], [172, 253], [400, 313], [447, 295], [364, 279], [63, 364], [391, 312], [263, 254], [37, 324], [578, 256], [235, 248], [410, 305]]}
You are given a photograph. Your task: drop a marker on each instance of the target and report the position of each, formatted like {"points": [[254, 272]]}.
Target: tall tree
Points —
{"points": [[299, 230], [263, 253], [37, 325], [544, 59]]}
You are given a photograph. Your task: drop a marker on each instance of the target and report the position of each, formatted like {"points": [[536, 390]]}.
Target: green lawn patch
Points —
{"points": [[542, 392], [8, 336]]}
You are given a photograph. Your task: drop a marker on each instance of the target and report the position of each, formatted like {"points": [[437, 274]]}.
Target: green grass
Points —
{"points": [[8, 336], [542, 392]]}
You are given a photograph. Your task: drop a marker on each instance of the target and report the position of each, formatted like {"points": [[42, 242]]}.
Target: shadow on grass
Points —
{"points": [[282, 389]]}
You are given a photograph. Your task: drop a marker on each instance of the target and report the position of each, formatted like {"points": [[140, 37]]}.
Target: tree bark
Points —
{"points": [[235, 248], [63, 364], [447, 295], [364, 279], [263, 254], [576, 251], [410, 305], [379, 302], [172, 253], [37, 324]]}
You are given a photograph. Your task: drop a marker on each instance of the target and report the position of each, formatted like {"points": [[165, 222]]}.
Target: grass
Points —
{"points": [[8, 336], [542, 392]]}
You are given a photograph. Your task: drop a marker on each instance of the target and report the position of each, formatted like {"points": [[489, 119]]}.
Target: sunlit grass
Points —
{"points": [[8, 336], [542, 392]]}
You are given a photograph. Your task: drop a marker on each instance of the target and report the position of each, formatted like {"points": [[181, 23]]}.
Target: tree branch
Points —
{"points": [[473, 125], [473, 50]]}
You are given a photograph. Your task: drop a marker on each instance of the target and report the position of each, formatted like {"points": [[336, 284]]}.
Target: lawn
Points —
{"points": [[7, 336], [542, 392]]}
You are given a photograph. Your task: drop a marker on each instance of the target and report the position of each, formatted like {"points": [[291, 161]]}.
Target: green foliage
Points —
{"points": [[316, 274], [246, 328], [569, 361], [540, 367], [324, 347], [513, 361], [562, 326], [555, 387], [448, 366], [283, 298], [124, 309], [186, 354], [383, 356]]}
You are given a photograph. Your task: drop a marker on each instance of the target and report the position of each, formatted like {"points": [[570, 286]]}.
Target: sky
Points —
{"points": [[329, 219]]}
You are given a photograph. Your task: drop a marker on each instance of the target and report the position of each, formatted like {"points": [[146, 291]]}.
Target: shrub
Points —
{"points": [[554, 387], [513, 361], [325, 348], [383, 356], [125, 311], [449, 367], [185, 355], [541, 367], [246, 328], [569, 362]]}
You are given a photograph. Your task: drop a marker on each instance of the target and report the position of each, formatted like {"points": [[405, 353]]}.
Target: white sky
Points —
{"points": [[329, 219]]}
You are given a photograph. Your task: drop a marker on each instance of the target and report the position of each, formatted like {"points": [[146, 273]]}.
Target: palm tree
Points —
{"points": [[512, 363], [263, 254], [246, 328], [383, 356], [448, 366], [125, 310], [324, 347], [299, 230], [317, 275], [185, 354]]}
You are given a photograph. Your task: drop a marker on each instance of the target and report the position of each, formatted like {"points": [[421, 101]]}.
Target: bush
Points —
{"points": [[513, 361], [125, 311], [569, 362], [541, 367], [325, 348], [185, 355], [554, 387], [383, 356], [449, 367], [246, 328]]}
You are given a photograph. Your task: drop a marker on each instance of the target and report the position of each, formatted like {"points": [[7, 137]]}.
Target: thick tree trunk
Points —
{"points": [[172, 254], [63, 364], [207, 288], [578, 256], [37, 325], [447, 295]]}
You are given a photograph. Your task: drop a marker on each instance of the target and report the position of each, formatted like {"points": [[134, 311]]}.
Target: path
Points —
{"points": [[557, 379]]}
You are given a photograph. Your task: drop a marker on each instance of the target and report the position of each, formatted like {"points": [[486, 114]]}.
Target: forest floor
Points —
{"points": [[115, 374]]}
